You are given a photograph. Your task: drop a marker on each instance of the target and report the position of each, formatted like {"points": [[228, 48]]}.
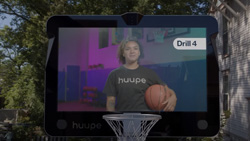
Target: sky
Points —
{"points": [[5, 21]]}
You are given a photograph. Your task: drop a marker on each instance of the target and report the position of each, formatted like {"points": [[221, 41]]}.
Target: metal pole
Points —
{"points": [[229, 8], [241, 4], [219, 10]]}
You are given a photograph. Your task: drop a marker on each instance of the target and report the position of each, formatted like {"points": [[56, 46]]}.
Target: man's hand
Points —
{"points": [[170, 103]]}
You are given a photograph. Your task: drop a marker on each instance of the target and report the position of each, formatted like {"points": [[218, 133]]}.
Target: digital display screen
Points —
{"points": [[87, 56]]}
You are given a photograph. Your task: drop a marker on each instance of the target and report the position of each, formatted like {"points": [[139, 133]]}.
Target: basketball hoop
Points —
{"points": [[131, 126]]}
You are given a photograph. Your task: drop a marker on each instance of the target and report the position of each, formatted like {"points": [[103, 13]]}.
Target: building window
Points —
{"points": [[225, 90], [225, 37], [103, 37]]}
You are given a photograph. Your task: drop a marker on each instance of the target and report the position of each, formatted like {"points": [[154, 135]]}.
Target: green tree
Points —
{"points": [[11, 58]]}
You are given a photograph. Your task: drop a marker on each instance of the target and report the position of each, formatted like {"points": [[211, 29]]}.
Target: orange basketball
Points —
{"points": [[155, 95]]}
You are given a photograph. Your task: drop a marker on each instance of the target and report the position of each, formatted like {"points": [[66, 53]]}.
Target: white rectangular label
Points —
{"points": [[190, 43]]}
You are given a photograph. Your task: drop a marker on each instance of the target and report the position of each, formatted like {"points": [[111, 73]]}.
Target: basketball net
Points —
{"points": [[131, 126]]}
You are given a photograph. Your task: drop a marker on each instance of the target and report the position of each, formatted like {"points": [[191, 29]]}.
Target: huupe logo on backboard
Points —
{"points": [[86, 126]]}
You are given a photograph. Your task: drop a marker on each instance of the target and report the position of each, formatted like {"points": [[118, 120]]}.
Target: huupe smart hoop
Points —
{"points": [[82, 52]]}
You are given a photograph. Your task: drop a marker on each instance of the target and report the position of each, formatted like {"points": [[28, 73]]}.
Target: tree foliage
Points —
{"points": [[23, 46]]}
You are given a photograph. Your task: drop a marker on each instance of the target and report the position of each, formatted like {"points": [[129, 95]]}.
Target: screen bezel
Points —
{"points": [[180, 123]]}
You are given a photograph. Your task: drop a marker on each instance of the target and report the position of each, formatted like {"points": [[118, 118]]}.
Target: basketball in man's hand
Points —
{"points": [[155, 96]]}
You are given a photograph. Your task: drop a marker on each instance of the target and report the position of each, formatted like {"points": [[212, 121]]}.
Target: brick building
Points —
{"points": [[233, 50]]}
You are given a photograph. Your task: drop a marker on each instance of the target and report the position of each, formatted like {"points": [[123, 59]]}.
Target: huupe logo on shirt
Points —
{"points": [[131, 80]]}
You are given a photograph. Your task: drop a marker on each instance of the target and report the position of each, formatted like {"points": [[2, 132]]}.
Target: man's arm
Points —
{"points": [[170, 103], [110, 105]]}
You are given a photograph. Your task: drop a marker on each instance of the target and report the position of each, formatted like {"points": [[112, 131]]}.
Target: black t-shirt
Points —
{"points": [[129, 86]]}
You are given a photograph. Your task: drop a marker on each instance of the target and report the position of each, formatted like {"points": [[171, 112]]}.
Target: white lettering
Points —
{"points": [[131, 80], [120, 80], [143, 80], [90, 126]]}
